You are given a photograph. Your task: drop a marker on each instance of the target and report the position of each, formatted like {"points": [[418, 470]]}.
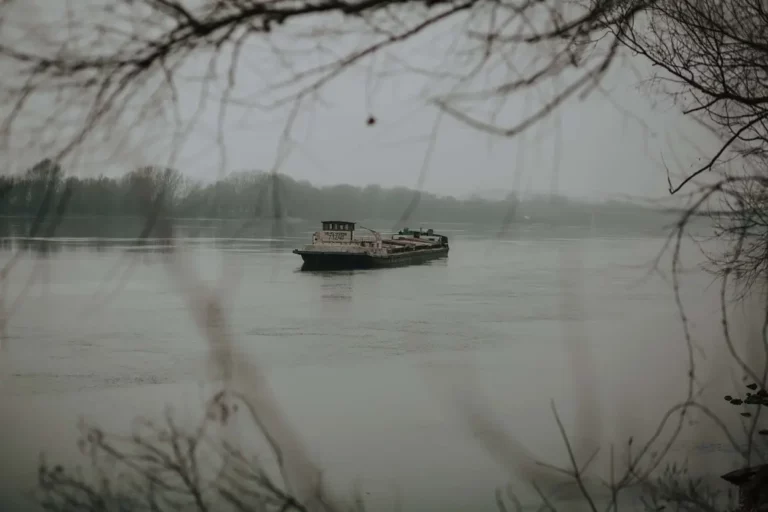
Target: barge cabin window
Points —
{"points": [[335, 225]]}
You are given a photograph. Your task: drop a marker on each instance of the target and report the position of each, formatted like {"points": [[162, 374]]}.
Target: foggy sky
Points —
{"points": [[597, 148], [589, 149], [614, 143]]}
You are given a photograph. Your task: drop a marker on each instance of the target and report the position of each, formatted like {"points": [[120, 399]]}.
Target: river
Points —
{"points": [[359, 361]]}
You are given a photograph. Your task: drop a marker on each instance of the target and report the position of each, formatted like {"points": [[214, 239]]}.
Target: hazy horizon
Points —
{"points": [[482, 193]]}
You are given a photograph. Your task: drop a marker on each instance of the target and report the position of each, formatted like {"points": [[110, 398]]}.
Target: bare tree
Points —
{"points": [[100, 65], [108, 63], [165, 467], [104, 61]]}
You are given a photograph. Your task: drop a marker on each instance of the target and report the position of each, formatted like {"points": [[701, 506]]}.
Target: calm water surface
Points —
{"points": [[99, 329]]}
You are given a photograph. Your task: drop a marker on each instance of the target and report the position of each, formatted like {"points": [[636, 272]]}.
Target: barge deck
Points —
{"points": [[337, 248]]}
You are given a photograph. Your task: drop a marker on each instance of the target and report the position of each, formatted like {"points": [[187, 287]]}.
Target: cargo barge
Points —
{"points": [[337, 247]]}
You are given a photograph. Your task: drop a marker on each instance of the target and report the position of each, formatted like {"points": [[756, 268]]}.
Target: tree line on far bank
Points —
{"points": [[266, 195]]}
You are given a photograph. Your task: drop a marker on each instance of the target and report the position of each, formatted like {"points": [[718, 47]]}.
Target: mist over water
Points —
{"points": [[357, 359]]}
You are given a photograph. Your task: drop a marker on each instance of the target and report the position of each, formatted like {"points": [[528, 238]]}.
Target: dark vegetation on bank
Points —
{"points": [[264, 195]]}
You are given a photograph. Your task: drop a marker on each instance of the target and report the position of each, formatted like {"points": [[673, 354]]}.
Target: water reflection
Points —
{"points": [[337, 286], [43, 247], [89, 234]]}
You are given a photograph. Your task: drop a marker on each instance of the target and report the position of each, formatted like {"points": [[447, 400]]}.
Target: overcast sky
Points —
{"points": [[597, 148], [611, 144]]}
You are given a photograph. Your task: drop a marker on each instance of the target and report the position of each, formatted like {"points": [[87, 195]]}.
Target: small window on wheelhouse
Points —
{"points": [[338, 226]]}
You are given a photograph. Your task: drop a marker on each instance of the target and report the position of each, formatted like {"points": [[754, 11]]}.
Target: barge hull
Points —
{"points": [[317, 260]]}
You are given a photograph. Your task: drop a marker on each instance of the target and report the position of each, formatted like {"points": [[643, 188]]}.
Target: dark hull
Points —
{"points": [[341, 261]]}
